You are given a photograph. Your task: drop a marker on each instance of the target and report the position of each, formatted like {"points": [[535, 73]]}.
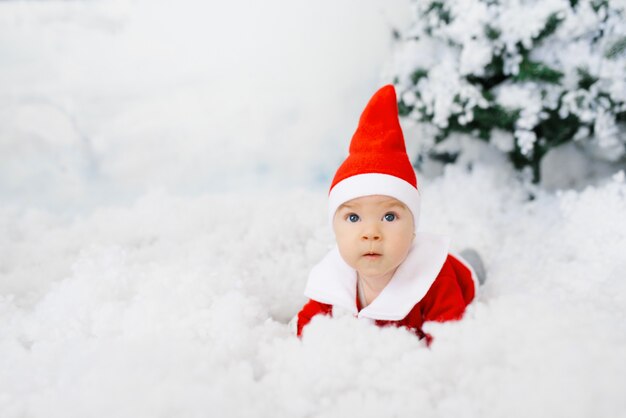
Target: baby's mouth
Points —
{"points": [[371, 254]]}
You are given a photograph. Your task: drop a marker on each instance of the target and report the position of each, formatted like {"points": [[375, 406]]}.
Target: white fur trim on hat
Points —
{"points": [[374, 184]]}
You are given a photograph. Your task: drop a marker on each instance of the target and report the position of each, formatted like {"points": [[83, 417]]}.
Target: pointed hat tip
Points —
{"points": [[385, 97], [387, 90], [388, 87], [382, 108]]}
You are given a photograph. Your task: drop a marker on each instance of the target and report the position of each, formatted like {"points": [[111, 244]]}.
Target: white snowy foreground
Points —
{"points": [[178, 307]]}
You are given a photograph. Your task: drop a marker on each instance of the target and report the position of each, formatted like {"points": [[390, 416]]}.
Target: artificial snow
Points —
{"points": [[181, 307], [178, 302]]}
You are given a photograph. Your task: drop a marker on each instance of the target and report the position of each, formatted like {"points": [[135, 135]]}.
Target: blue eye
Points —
{"points": [[353, 217], [390, 217]]}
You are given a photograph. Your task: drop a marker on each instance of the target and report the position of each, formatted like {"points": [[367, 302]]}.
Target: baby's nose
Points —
{"points": [[372, 235]]}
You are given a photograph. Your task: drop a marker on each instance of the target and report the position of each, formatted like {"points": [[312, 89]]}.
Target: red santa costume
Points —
{"points": [[430, 284]]}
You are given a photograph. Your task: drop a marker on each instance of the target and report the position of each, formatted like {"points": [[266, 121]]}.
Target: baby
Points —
{"points": [[382, 269]]}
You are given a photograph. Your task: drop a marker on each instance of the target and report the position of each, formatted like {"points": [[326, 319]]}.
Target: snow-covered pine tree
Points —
{"points": [[525, 75]]}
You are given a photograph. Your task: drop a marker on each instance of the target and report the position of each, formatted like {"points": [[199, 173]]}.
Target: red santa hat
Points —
{"points": [[377, 163]]}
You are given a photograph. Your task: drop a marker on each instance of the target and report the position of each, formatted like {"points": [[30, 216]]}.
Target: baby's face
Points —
{"points": [[374, 235]]}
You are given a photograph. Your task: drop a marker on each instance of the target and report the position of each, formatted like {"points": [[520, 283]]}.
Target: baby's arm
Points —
{"points": [[309, 310], [444, 301]]}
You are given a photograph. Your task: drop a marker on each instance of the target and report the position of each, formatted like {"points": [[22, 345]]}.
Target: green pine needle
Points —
{"points": [[536, 71], [418, 74], [616, 49], [586, 80], [552, 23]]}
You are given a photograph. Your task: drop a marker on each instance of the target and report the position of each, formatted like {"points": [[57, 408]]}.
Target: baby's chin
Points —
{"points": [[375, 272]]}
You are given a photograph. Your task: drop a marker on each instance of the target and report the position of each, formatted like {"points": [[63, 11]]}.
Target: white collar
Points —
{"points": [[333, 282]]}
